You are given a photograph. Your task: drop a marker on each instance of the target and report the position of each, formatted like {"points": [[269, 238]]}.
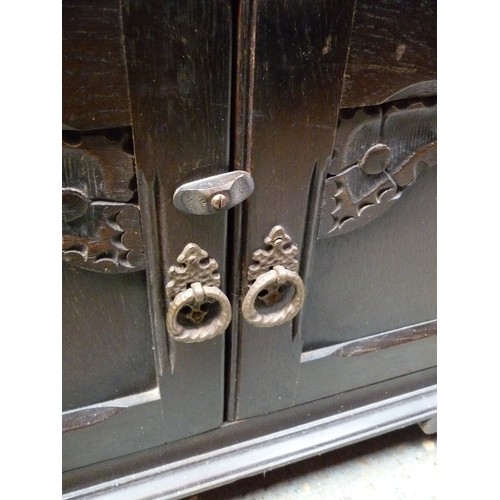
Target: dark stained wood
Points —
{"points": [[179, 67], [110, 378], [386, 340], [179, 56], [94, 78], [106, 342], [233, 433], [392, 46], [373, 343], [291, 125], [100, 232], [335, 374], [99, 163], [242, 104], [109, 387], [377, 278], [379, 152], [294, 87], [88, 416], [107, 238], [136, 427], [137, 401]]}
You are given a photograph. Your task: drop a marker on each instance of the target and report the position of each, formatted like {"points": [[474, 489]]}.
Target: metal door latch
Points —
{"points": [[214, 194]]}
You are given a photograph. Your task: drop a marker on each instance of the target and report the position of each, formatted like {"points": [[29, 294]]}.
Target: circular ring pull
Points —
{"points": [[277, 275], [198, 293]]}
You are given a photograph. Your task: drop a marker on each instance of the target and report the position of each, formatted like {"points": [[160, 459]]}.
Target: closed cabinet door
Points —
{"points": [[248, 211], [146, 110], [337, 255]]}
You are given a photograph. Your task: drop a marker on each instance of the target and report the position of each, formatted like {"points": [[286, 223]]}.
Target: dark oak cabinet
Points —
{"points": [[249, 235]]}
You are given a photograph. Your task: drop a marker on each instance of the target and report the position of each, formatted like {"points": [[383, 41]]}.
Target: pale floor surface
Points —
{"points": [[399, 465]]}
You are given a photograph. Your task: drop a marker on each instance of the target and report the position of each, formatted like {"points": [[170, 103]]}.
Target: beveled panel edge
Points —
{"points": [[94, 414], [373, 343]]}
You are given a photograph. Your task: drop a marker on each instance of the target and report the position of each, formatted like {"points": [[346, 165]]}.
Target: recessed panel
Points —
{"points": [[107, 341], [379, 277]]}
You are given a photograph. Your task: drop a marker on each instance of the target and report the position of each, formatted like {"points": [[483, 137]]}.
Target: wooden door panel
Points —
{"points": [[110, 376], [324, 373], [107, 344], [179, 69], [129, 386], [377, 278], [298, 61], [348, 197]]}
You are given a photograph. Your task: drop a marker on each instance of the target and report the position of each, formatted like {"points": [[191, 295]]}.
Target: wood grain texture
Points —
{"points": [[334, 375], [100, 163], [373, 343], [379, 277], [393, 46], [106, 344], [146, 464], [106, 238], [242, 105], [100, 231], [179, 67], [290, 61], [87, 417], [379, 153], [292, 124], [295, 79], [134, 428], [386, 340], [94, 77]]}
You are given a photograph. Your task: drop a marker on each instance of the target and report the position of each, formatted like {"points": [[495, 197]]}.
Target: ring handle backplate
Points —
{"points": [[194, 284]]}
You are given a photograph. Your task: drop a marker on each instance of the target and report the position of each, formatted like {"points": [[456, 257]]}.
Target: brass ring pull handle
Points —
{"points": [[193, 290], [198, 294], [278, 275]]}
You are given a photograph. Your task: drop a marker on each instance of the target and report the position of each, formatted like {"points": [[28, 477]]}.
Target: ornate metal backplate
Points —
{"points": [[194, 266], [279, 251], [379, 152]]}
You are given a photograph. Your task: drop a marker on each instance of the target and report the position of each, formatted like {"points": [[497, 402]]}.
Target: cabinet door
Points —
{"points": [[339, 124], [126, 385]]}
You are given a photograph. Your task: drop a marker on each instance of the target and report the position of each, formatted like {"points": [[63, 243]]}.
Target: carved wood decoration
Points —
{"points": [[379, 152], [101, 218]]}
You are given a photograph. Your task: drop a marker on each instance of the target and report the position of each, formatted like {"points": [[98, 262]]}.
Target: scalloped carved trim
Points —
{"points": [[112, 245], [379, 153], [100, 219]]}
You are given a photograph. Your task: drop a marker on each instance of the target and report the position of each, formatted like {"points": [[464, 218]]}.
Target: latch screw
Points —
{"points": [[219, 201]]}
